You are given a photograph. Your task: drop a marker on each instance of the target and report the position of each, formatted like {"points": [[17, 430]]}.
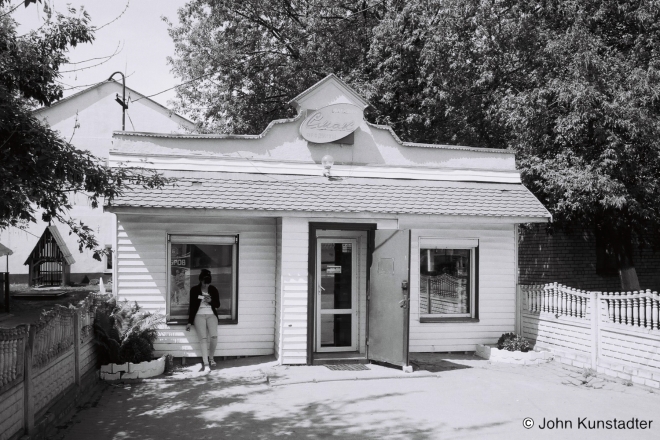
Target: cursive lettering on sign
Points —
{"points": [[331, 123]]}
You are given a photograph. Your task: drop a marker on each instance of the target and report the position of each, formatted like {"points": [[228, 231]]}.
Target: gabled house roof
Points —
{"points": [[330, 81], [4, 250], [64, 250], [119, 85]]}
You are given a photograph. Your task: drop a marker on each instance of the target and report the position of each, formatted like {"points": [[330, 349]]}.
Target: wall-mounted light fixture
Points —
{"points": [[327, 161]]}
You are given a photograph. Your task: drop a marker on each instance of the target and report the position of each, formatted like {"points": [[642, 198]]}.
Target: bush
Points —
{"points": [[513, 342], [124, 333]]}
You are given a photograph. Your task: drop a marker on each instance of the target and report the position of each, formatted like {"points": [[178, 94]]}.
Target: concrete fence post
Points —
{"points": [[28, 386], [595, 321], [76, 346]]}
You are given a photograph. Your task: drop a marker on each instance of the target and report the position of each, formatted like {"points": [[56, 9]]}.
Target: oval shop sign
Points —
{"points": [[331, 123]]}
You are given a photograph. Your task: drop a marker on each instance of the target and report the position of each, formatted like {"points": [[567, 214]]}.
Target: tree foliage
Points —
{"points": [[40, 170], [572, 86]]}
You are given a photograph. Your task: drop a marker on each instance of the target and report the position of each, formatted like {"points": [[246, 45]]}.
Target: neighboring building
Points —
{"points": [[399, 247], [578, 259], [88, 119]]}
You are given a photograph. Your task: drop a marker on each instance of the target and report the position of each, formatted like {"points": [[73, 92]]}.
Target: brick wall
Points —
{"points": [[570, 258]]}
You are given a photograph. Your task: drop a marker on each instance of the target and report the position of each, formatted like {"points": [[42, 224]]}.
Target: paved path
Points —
{"points": [[462, 398]]}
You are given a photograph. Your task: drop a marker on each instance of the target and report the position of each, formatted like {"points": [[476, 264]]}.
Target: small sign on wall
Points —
{"points": [[346, 248], [333, 269], [331, 123]]}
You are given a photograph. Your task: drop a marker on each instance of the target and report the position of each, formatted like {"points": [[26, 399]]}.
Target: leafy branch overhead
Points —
{"points": [[572, 86], [41, 172]]}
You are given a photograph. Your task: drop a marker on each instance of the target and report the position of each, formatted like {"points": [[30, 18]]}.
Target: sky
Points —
{"points": [[140, 34]]}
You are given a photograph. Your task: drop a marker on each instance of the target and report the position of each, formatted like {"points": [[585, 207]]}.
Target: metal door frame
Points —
{"points": [[311, 270], [353, 311]]}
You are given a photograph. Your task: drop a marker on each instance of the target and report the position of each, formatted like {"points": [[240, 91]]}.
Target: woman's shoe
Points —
{"points": [[212, 363], [205, 367]]}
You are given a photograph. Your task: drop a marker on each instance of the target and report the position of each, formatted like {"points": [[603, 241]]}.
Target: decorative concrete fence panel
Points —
{"points": [[557, 316], [40, 363], [53, 362], [12, 358], [630, 331], [618, 331]]}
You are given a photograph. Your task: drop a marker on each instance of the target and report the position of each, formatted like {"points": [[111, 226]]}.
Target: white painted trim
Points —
{"points": [[260, 166], [367, 217], [461, 243]]}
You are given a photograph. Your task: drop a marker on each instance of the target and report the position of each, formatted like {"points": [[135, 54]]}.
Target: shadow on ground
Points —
{"points": [[241, 407], [438, 362]]}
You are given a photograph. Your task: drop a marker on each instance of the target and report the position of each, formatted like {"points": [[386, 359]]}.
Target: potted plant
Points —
{"points": [[513, 349], [513, 342], [125, 336]]}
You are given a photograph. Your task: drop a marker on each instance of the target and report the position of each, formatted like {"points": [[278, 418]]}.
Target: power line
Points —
{"points": [[177, 86]]}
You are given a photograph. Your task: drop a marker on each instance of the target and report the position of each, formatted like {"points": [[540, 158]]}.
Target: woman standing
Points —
{"points": [[202, 313]]}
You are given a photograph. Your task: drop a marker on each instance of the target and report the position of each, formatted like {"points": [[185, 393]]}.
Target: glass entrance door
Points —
{"points": [[336, 296]]}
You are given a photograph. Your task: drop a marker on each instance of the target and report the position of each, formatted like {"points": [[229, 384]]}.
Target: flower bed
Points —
{"points": [[494, 354], [130, 370]]}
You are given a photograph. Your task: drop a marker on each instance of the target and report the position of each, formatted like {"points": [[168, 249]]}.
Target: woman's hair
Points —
{"points": [[205, 276]]}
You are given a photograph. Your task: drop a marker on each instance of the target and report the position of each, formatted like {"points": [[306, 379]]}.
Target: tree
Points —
{"points": [[38, 169], [571, 86]]}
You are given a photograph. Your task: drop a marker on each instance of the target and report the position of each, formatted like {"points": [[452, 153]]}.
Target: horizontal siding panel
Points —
{"points": [[156, 277], [132, 270], [231, 352], [143, 275], [458, 335], [445, 327], [447, 347], [496, 290], [146, 290]]}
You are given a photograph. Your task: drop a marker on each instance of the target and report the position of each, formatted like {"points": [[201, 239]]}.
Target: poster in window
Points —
{"points": [[186, 263]]}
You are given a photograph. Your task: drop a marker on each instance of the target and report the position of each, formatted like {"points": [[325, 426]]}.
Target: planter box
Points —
{"points": [[494, 354], [129, 370]]}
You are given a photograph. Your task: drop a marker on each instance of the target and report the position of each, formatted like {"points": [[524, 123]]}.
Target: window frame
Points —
{"points": [[203, 239], [108, 259], [471, 244]]}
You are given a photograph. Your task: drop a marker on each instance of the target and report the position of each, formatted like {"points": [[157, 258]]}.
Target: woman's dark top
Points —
{"points": [[195, 302]]}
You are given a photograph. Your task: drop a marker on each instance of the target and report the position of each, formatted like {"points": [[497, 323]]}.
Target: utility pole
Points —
{"points": [[122, 101]]}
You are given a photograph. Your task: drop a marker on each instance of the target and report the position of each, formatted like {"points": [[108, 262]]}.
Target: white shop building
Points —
{"points": [[398, 248]]}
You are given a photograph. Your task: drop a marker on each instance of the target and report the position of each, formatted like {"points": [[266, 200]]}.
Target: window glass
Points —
{"points": [[108, 258], [186, 262], [445, 281]]}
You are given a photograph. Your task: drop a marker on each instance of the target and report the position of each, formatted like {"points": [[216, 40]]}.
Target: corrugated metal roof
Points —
{"points": [[226, 191]]}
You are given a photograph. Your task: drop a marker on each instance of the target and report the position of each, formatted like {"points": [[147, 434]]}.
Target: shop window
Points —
{"points": [[447, 279], [108, 258], [187, 256]]}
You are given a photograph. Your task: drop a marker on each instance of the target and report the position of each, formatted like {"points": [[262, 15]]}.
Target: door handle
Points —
{"points": [[320, 289], [404, 302]]}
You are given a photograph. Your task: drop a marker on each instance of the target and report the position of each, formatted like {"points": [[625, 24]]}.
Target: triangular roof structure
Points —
{"points": [[128, 90], [52, 230], [330, 90], [4, 250]]}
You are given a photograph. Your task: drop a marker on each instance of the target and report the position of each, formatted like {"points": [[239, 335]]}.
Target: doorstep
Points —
{"points": [[339, 358], [280, 375]]}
